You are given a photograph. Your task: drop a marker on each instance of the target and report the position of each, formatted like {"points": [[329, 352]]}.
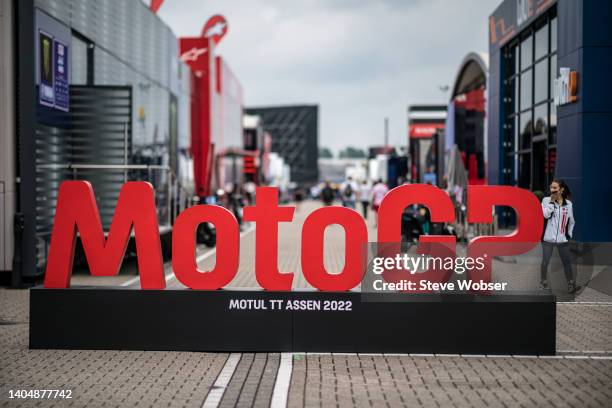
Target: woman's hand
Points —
{"points": [[556, 197]]}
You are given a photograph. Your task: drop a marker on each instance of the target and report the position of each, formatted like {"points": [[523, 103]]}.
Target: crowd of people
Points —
{"points": [[352, 194], [364, 196]]}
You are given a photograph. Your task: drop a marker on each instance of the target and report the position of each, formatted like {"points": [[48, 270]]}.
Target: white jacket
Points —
{"points": [[558, 221], [354, 190]]}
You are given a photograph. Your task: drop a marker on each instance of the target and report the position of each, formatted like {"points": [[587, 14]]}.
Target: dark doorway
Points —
{"points": [[539, 166]]}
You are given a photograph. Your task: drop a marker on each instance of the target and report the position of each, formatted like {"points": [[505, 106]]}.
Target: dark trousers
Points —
{"points": [[364, 207], [564, 252]]}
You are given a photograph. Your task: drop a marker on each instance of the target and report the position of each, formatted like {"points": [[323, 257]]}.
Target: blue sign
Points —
{"points": [[45, 90], [61, 83], [54, 86]]}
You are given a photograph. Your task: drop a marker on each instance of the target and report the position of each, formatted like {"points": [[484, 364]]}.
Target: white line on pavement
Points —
{"points": [[213, 399], [250, 229], [131, 281], [170, 275], [283, 380], [586, 351], [586, 303], [599, 355], [208, 254], [588, 357], [167, 277]]}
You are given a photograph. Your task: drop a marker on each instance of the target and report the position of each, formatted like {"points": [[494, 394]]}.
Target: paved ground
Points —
{"points": [[579, 376]]}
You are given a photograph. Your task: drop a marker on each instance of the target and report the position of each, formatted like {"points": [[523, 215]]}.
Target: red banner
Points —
{"points": [[421, 130]]}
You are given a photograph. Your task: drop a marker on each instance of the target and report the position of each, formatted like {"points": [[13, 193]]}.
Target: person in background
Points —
{"points": [[424, 218], [348, 192], [249, 192], [379, 191], [234, 201], [327, 194], [315, 191], [558, 229], [298, 197], [364, 197]]}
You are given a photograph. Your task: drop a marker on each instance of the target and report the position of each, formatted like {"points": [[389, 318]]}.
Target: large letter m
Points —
{"points": [[77, 211]]}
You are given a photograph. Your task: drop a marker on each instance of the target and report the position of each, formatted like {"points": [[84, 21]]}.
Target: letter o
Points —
{"points": [[356, 235], [184, 247]]}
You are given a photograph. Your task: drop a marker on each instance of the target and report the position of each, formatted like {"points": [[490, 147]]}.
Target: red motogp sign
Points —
{"points": [[77, 212]]}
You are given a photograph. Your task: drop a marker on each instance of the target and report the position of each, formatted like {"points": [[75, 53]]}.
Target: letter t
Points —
{"points": [[267, 214]]}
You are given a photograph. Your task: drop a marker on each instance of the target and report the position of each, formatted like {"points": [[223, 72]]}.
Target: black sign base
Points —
{"points": [[250, 321]]}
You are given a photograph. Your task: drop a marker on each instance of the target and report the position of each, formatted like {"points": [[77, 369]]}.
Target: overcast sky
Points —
{"points": [[359, 60]]}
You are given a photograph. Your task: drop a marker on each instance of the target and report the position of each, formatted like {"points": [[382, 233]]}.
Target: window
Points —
{"points": [[515, 145], [81, 60], [526, 52], [552, 125], [515, 95], [526, 87], [78, 61], [524, 176], [553, 73], [553, 35], [540, 120], [541, 42], [526, 127], [541, 81], [530, 117]]}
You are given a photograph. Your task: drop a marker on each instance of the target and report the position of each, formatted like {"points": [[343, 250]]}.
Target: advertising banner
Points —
{"points": [[61, 81], [54, 87], [46, 90]]}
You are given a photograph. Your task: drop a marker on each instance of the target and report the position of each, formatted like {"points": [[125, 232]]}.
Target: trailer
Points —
{"points": [[102, 96], [216, 116], [425, 142]]}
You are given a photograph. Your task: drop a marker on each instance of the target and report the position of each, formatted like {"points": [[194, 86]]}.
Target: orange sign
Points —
{"points": [[566, 87]]}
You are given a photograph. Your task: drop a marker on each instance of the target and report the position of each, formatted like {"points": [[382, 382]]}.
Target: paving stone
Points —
{"points": [[424, 381], [103, 378]]}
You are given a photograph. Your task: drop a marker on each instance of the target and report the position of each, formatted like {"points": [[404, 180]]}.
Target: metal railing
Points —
{"points": [[171, 196]]}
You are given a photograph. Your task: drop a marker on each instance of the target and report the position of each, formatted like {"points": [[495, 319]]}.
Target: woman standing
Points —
{"points": [[558, 230]]}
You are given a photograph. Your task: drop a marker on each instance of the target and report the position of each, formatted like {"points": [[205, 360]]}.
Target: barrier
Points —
{"points": [[305, 321]]}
